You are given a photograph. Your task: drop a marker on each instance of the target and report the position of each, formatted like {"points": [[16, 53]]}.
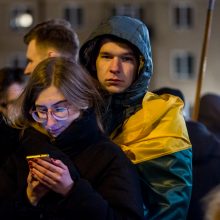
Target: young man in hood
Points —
{"points": [[150, 129]]}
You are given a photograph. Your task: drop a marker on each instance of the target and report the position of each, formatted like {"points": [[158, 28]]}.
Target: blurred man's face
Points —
{"points": [[12, 93], [116, 66], [34, 55]]}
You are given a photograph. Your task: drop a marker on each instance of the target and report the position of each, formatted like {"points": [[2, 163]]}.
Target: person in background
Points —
{"points": [[209, 112], [12, 83], [206, 157], [50, 38], [86, 176], [204, 135], [206, 162], [211, 204], [149, 129]]}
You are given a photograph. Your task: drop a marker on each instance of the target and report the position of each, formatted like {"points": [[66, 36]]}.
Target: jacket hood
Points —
{"points": [[132, 31]]}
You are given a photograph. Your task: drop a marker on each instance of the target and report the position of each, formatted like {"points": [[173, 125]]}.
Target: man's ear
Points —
{"points": [[53, 54]]}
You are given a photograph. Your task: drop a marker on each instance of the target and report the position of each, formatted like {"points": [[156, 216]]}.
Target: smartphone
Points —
{"points": [[38, 156]]}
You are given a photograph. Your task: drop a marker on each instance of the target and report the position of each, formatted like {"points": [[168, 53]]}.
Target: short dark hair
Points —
{"points": [[56, 33]]}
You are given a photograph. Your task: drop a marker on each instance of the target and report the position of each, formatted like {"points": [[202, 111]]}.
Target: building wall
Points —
{"points": [[166, 39], [157, 14]]}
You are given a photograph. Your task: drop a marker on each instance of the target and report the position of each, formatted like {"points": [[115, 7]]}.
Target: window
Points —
{"points": [[183, 16], [21, 17], [183, 64], [74, 15], [128, 10]]}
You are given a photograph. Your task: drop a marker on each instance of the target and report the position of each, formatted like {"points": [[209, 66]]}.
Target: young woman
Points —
{"points": [[85, 175]]}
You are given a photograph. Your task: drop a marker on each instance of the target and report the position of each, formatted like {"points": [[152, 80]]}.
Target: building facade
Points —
{"points": [[176, 29]]}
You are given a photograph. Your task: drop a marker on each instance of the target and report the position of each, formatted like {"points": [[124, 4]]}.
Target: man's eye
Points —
{"points": [[105, 56], [128, 59], [29, 61]]}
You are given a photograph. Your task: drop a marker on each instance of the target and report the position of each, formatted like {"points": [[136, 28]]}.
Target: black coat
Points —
{"points": [[105, 182], [9, 140], [206, 163]]}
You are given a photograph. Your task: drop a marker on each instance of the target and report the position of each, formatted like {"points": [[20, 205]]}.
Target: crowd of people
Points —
{"points": [[88, 140]]}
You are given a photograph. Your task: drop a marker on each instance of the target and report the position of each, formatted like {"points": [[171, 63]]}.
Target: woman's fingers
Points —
{"points": [[54, 174], [45, 178], [48, 173], [58, 163]]}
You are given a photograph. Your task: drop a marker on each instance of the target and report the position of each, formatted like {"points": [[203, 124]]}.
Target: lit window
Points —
{"points": [[21, 18], [74, 15], [183, 16], [128, 10], [183, 64]]}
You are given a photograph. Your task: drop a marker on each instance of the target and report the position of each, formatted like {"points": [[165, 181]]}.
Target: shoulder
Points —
{"points": [[165, 100], [109, 151], [156, 109], [107, 145], [161, 107]]}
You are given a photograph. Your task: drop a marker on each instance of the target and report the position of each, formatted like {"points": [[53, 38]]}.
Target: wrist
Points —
{"points": [[68, 189], [32, 199]]}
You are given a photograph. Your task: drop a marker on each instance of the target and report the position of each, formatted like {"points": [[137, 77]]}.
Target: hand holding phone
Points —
{"points": [[37, 156], [53, 173]]}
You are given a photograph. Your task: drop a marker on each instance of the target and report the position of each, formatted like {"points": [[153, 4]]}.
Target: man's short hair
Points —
{"points": [[55, 33]]}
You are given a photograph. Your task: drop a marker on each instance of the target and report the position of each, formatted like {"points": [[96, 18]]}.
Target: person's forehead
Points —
{"points": [[34, 50], [111, 45], [49, 95], [31, 47]]}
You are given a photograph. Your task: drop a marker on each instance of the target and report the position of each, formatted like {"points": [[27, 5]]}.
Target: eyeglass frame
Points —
{"points": [[51, 111]]}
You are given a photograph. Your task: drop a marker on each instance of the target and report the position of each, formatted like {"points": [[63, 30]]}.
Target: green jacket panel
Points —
{"points": [[166, 185]]}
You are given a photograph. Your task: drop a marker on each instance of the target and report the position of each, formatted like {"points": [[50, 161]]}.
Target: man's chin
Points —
{"points": [[115, 90]]}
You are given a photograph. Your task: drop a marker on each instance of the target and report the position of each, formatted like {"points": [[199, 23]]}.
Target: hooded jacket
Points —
{"points": [[149, 128]]}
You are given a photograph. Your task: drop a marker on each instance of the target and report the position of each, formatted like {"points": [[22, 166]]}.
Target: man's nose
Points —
{"points": [[27, 70], [115, 65]]}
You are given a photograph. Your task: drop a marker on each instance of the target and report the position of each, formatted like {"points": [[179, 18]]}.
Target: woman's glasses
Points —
{"points": [[41, 114]]}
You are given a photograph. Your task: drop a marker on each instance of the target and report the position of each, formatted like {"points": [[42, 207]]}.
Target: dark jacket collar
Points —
{"points": [[81, 133]]}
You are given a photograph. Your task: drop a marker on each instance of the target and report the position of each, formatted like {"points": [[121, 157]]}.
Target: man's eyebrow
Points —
{"points": [[105, 52], [112, 53]]}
